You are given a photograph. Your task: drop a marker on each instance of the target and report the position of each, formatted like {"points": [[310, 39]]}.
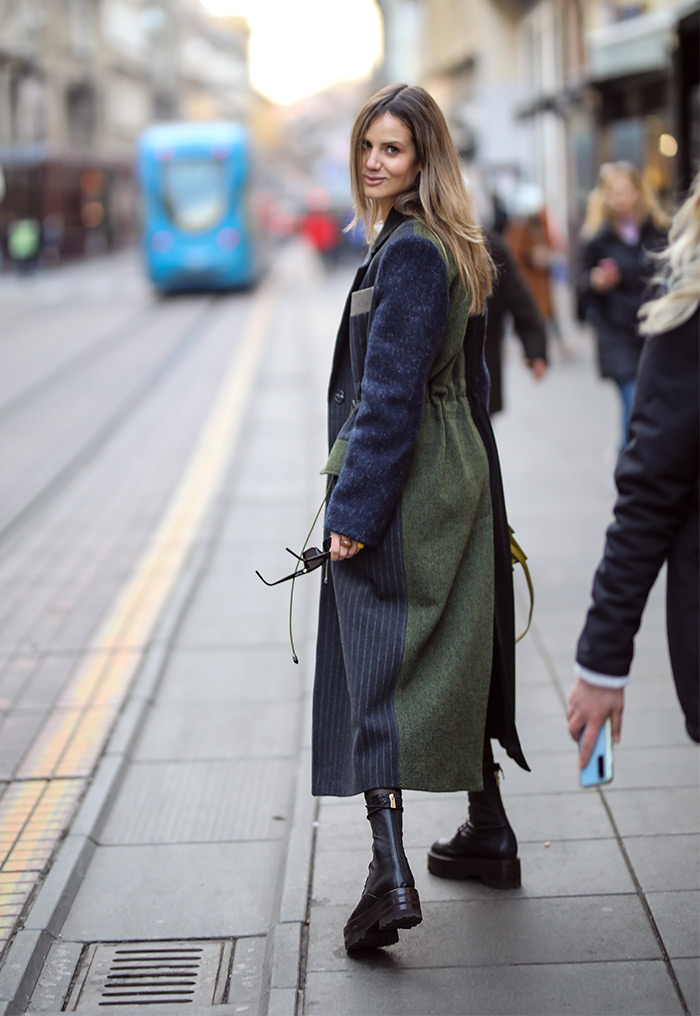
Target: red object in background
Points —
{"points": [[321, 230]]}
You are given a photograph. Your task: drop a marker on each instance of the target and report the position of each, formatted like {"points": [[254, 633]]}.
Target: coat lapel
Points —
{"points": [[393, 220]]}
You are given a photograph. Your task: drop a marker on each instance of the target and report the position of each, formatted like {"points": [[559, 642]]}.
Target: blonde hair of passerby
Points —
{"points": [[679, 271], [599, 209]]}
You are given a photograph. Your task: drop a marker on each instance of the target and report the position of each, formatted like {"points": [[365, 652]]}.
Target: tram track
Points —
{"points": [[85, 452]]}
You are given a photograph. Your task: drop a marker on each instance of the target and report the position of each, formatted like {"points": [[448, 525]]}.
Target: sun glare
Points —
{"points": [[299, 48]]}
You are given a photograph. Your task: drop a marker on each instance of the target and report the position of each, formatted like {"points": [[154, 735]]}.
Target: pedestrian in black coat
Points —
{"points": [[623, 226], [656, 512], [511, 296]]}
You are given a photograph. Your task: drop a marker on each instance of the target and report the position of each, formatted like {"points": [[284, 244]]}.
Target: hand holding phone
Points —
{"points": [[599, 768]]}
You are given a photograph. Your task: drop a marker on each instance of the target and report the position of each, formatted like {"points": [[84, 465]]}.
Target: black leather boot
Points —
{"points": [[484, 847], [389, 898]]}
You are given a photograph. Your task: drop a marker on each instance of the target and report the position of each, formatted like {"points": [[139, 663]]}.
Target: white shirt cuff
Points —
{"points": [[600, 680]]}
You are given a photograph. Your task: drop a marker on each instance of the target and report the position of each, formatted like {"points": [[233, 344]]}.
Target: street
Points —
{"points": [[154, 732]]}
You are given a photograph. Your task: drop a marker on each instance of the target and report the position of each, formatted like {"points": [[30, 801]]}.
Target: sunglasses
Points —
{"points": [[310, 559]]}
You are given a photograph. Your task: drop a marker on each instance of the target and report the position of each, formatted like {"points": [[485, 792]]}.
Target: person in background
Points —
{"points": [[528, 239], [656, 512], [624, 223], [415, 662], [511, 296]]}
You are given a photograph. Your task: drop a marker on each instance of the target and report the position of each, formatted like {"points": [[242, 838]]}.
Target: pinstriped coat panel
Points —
{"points": [[405, 644]]}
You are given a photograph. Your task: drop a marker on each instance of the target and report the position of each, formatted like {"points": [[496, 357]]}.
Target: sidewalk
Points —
{"points": [[199, 836]]}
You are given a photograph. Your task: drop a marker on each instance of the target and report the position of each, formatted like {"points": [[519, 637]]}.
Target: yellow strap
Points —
{"points": [[518, 556]]}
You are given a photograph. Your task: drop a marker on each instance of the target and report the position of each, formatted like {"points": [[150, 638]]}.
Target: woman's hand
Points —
{"points": [[589, 707], [538, 368], [342, 547], [605, 275]]}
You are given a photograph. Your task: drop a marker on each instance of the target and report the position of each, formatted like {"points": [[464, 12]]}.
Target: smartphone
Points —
{"points": [[599, 768]]}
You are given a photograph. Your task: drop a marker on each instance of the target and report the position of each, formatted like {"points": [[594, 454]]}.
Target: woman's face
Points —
{"points": [[621, 196], [389, 161]]}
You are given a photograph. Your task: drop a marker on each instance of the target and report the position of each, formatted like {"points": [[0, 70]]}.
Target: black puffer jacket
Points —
{"points": [[613, 314], [656, 520]]}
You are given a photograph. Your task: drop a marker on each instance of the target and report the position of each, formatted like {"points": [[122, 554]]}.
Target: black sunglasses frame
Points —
{"points": [[311, 559]]}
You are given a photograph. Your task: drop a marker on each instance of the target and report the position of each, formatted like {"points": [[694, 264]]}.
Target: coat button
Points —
{"points": [[339, 396]]}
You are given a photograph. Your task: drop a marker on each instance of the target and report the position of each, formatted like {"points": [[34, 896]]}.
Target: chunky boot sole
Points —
{"points": [[493, 873], [399, 908]]}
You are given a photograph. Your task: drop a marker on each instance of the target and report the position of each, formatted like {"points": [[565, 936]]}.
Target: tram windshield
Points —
{"points": [[194, 193]]}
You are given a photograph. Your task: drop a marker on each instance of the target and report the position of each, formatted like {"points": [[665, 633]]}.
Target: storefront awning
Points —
{"points": [[636, 46]]}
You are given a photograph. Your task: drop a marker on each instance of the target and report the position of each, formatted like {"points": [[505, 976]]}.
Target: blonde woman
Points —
{"points": [[415, 659], [624, 223], [656, 513]]}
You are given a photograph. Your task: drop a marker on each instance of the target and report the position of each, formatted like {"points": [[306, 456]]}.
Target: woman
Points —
{"points": [[623, 224], [415, 660], [656, 513]]}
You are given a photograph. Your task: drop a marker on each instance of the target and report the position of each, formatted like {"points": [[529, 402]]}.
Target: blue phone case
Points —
{"points": [[599, 768]]}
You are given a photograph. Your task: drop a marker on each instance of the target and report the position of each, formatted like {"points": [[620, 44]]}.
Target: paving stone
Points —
{"points": [[586, 867], [225, 674], [205, 802], [212, 890], [206, 731], [665, 862], [377, 984], [688, 974], [503, 932], [655, 811], [677, 916]]}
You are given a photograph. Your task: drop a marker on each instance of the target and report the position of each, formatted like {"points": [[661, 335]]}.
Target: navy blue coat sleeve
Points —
{"points": [[657, 477], [405, 333]]}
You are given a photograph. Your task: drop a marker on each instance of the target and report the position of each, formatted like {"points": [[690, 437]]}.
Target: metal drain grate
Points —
{"points": [[130, 974]]}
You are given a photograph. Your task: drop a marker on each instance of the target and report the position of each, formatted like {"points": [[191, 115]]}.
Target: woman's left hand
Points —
{"points": [[342, 547], [589, 708]]}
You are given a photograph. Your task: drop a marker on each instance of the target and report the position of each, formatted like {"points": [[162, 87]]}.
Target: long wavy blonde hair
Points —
{"points": [[597, 211], [439, 197], [679, 274]]}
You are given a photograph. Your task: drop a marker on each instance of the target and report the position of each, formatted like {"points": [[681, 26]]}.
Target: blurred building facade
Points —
{"points": [[544, 91], [79, 80]]}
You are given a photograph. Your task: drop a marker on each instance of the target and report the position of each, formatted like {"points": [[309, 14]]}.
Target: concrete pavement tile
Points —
{"points": [[659, 725], [56, 977], [544, 731], [377, 985], [539, 698], [551, 772], [665, 862], [245, 987], [534, 817], [677, 916], [18, 729], [669, 766], [688, 974], [502, 933], [587, 867], [654, 812], [182, 891], [225, 674], [205, 802], [206, 731]]}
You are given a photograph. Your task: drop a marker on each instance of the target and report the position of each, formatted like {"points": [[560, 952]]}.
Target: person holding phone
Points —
{"points": [[623, 224], [656, 511]]}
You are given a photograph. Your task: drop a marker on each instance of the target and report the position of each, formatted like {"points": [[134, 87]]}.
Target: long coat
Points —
{"points": [[656, 520], [415, 646], [613, 313]]}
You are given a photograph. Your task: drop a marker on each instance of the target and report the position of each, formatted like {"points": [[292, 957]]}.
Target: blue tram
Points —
{"points": [[197, 230]]}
